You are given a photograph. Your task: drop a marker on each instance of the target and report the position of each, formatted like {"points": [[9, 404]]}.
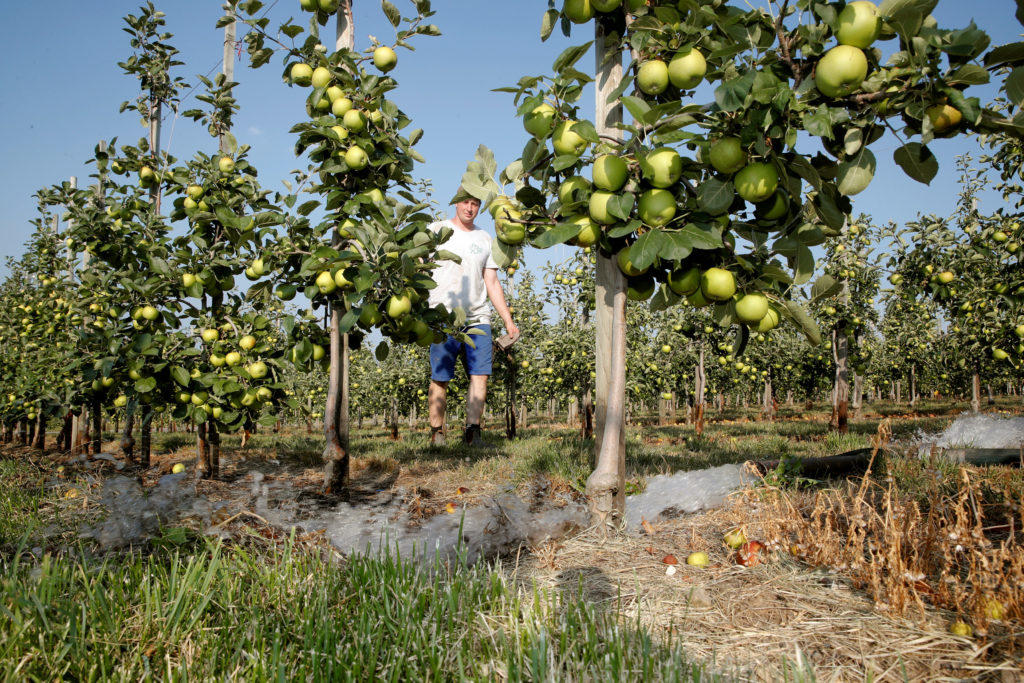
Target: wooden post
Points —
{"points": [[336, 417], [976, 392], [606, 485], [229, 68]]}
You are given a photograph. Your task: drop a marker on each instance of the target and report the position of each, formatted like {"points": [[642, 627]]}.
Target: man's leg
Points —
{"points": [[437, 401], [476, 398]]}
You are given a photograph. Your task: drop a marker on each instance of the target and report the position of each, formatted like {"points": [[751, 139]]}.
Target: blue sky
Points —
{"points": [[62, 89]]}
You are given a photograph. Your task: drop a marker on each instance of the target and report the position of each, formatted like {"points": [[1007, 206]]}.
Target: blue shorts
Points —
{"points": [[477, 361]]}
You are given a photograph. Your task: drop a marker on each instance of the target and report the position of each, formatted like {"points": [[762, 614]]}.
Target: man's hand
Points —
{"points": [[512, 330]]}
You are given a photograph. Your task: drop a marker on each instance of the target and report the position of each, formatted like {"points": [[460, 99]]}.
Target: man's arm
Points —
{"points": [[497, 296]]}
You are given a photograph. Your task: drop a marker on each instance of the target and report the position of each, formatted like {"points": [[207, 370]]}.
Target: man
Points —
{"points": [[468, 284]]}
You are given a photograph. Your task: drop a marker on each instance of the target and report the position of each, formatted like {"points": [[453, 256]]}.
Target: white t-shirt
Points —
{"points": [[462, 284]]}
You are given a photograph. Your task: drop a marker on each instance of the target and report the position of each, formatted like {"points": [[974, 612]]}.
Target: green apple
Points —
{"points": [[194, 192], [640, 288], [589, 231], [609, 172], [540, 121], [247, 342], [356, 158], [769, 322], [946, 276], [341, 106], [210, 335], [717, 284], [216, 360], [943, 117], [771, 209], [684, 282], [370, 316], [399, 305], [751, 308], [735, 538], [656, 207], [757, 181], [570, 186], [150, 313], [626, 266], [578, 11], [321, 77], [566, 141], [687, 69], [727, 155], [257, 370], [606, 5], [599, 207], [858, 24], [354, 120], [147, 176], [233, 358], [121, 401], [661, 167], [200, 397], [652, 77], [325, 282], [318, 352], [384, 58], [698, 559], [226, 164], [841, 71]]}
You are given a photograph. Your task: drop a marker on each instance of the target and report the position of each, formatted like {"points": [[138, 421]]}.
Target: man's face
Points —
{"points": [[467, 210]]}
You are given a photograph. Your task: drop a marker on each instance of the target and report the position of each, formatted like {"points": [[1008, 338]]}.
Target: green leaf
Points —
{"points": [[1014, 86], [715, 196], [503, 253], [180, 375], [724, 313], [637, 107], [145, 385], [700, 237], [558, 234], [1011, 53], [570, 56], [391, 12], [917, 161], [644, 252], [855, 174], [804, 266], [663, 299], [548, 24], [824, 287], [381, 352], [806, 322], [969, 74]]}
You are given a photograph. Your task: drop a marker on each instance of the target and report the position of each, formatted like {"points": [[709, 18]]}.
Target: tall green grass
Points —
{"points": [[213, 612]]}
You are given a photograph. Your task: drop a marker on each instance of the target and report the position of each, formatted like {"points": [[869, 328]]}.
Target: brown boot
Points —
{"points": [[474, 437]]}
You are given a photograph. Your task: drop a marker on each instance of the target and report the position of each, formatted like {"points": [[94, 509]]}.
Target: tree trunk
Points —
{"points": [[768, 400], [39, 442], [858, 396], [97, 427], [976, 393], [588, 415], [841, 398], [913, 385], [203, 447], [146, 447], [699, 390], [127, 440]]}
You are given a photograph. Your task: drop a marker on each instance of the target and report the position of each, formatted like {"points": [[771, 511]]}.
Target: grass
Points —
{"points": [[21, 495], [196, 608]]}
